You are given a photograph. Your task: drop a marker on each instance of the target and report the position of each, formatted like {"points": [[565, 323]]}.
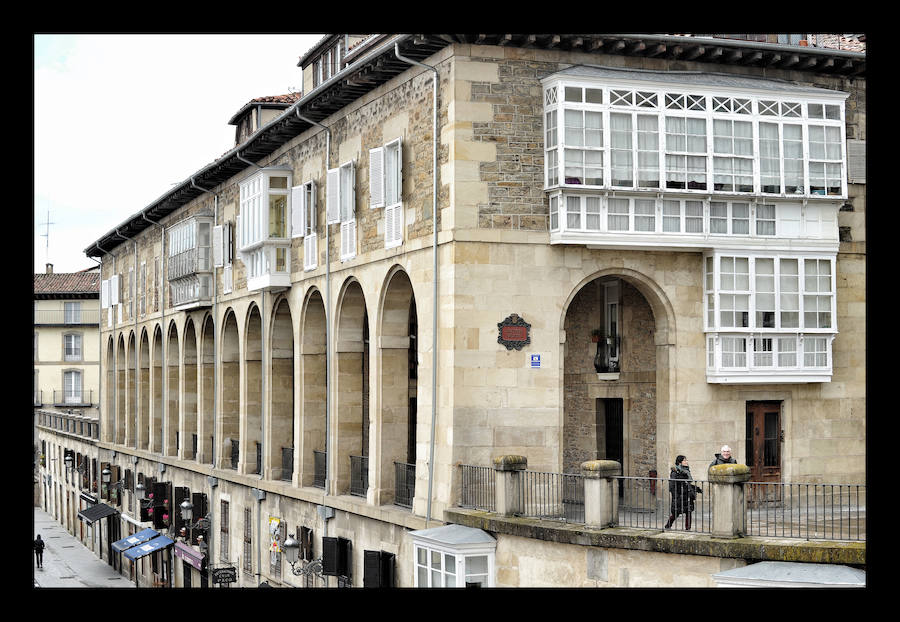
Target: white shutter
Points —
{"points": [[298, 212], [332, 196], [856, 161], [218, 246], [114, 289], [348, 240], [393, 225], [376, 177], [104, 294], [227, 278], [310, 251]]}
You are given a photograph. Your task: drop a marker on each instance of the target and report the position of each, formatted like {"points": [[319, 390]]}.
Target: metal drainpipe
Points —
{"points": [[327, 312], [262, 354], [134, 317], [162, 320], [434, 315], [215, 316]]}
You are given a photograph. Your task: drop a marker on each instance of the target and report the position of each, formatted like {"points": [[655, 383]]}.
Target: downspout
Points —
{"points": [[328, 347], [434, 313], [215, 303], [260, 494], [136, 337], [162, 321]]}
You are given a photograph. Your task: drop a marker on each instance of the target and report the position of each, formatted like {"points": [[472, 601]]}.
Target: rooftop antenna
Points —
{"points": [[47, 236]]}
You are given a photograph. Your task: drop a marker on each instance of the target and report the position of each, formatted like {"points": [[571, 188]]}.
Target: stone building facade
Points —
{"points": [[296, 378]]}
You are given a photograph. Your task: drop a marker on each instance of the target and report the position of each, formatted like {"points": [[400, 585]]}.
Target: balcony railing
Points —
{"points": [[359, 475], [71, 318], [404, 484], [782, 510], [553, 496], [319, 462], [83, 397], [810, 511], [287, 463]]}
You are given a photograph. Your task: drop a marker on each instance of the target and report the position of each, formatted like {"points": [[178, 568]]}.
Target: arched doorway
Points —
{"points": [[313, 356], [280, 429], [351, 390]]}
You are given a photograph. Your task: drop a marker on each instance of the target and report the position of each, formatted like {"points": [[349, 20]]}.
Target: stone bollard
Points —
{"points": [[601, 497], [728, 502], [509, 497]]}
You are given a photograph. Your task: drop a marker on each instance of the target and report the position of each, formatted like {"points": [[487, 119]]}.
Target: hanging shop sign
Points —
{"points": [[514, 332], [227, 574]]}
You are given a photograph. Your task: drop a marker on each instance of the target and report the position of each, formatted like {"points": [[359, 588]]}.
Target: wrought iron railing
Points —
{"points": [[81, 397], [287, 463], [553, 496], [477, 487], [806, 510], [404, 484], [319, 461], [359, 475], [650, 502], [784, 510]]}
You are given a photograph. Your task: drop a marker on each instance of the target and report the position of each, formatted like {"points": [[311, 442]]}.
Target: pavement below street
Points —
{"points": [[67, 562]]}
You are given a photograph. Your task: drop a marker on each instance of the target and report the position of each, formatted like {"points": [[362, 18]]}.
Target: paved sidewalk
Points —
{"points": [[67, 562]]}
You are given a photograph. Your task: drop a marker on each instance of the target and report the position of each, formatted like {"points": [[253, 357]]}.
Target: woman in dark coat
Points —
{"points": [[682, 492]]}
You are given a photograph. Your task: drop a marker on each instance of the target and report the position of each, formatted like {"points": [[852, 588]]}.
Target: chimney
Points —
{"points": [[49, 268]]}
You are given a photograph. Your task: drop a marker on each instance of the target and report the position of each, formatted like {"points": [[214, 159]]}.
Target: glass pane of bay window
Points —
{"points": [[648, 151], [734, 352], [762, 352], [765, 293], [592, 213], [693, 217], [644, 215], [789, 299], [815, 352], [277, 215], [769, 158], [573, 212], [617, 215], [621, 156], [740, 218], [792, 145], [671, 216], [787, 351]]}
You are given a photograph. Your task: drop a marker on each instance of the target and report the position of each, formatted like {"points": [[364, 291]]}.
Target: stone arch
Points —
{"points": [[639, 389], [108, 426], [189, 400], [171, 440], [228, 430], [351, 390], [157, 365], [143, 380], [397, 411], [314, 383], [121, 383], [251, 418], [131, 381], [206, 380], [280, 393]]}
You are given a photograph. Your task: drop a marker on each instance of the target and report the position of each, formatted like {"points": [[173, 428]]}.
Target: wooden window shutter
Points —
{"points": [[332, 197], [856, 161], [104, 294], [298, 212], [378, 569], [336, 557], [376, 177]]}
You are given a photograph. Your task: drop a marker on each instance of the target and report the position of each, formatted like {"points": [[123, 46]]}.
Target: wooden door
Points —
{"points": [[763, 449]]}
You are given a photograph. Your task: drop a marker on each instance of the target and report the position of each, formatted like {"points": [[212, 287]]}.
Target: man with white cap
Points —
{"points": [[724, 457]]}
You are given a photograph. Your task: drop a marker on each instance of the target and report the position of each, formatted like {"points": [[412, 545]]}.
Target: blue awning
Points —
{"points": [[138, 551], [130, 541]]}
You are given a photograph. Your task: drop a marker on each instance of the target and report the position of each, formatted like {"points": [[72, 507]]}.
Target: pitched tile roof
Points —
{"points": [[83, 282]]}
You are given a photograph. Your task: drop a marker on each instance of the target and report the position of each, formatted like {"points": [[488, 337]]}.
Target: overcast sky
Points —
{"points": [[120, 119]]}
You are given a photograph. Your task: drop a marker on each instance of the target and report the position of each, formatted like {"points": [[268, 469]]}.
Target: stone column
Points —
{"points": [[509, 497], [601, 499], [728, 501]]}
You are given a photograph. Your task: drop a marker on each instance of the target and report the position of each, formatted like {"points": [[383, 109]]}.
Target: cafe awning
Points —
{"points": [[96, 512], [151, 546], [133, 540]]}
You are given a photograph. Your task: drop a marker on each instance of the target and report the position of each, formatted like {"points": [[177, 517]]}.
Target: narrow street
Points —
{"points": [[67, 562]]}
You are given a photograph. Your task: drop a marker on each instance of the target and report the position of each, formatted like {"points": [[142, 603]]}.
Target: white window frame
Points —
{"points": [[72, 312], [386, 189], [706, 102], [73, 349], [304, 222], [265, 255], [340, 206], [425, 557], [73, 394]]}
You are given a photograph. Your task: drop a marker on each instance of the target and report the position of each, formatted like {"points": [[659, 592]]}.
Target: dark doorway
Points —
{"points": [[763, 448], [611, 431]]}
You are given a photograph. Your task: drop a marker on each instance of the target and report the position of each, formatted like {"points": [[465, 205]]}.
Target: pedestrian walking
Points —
{"points": [[682, 492], [39, 551], [724, 457]]}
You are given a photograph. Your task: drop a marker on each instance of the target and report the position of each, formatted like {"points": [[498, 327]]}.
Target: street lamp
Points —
{"points": [[291, 548]]}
